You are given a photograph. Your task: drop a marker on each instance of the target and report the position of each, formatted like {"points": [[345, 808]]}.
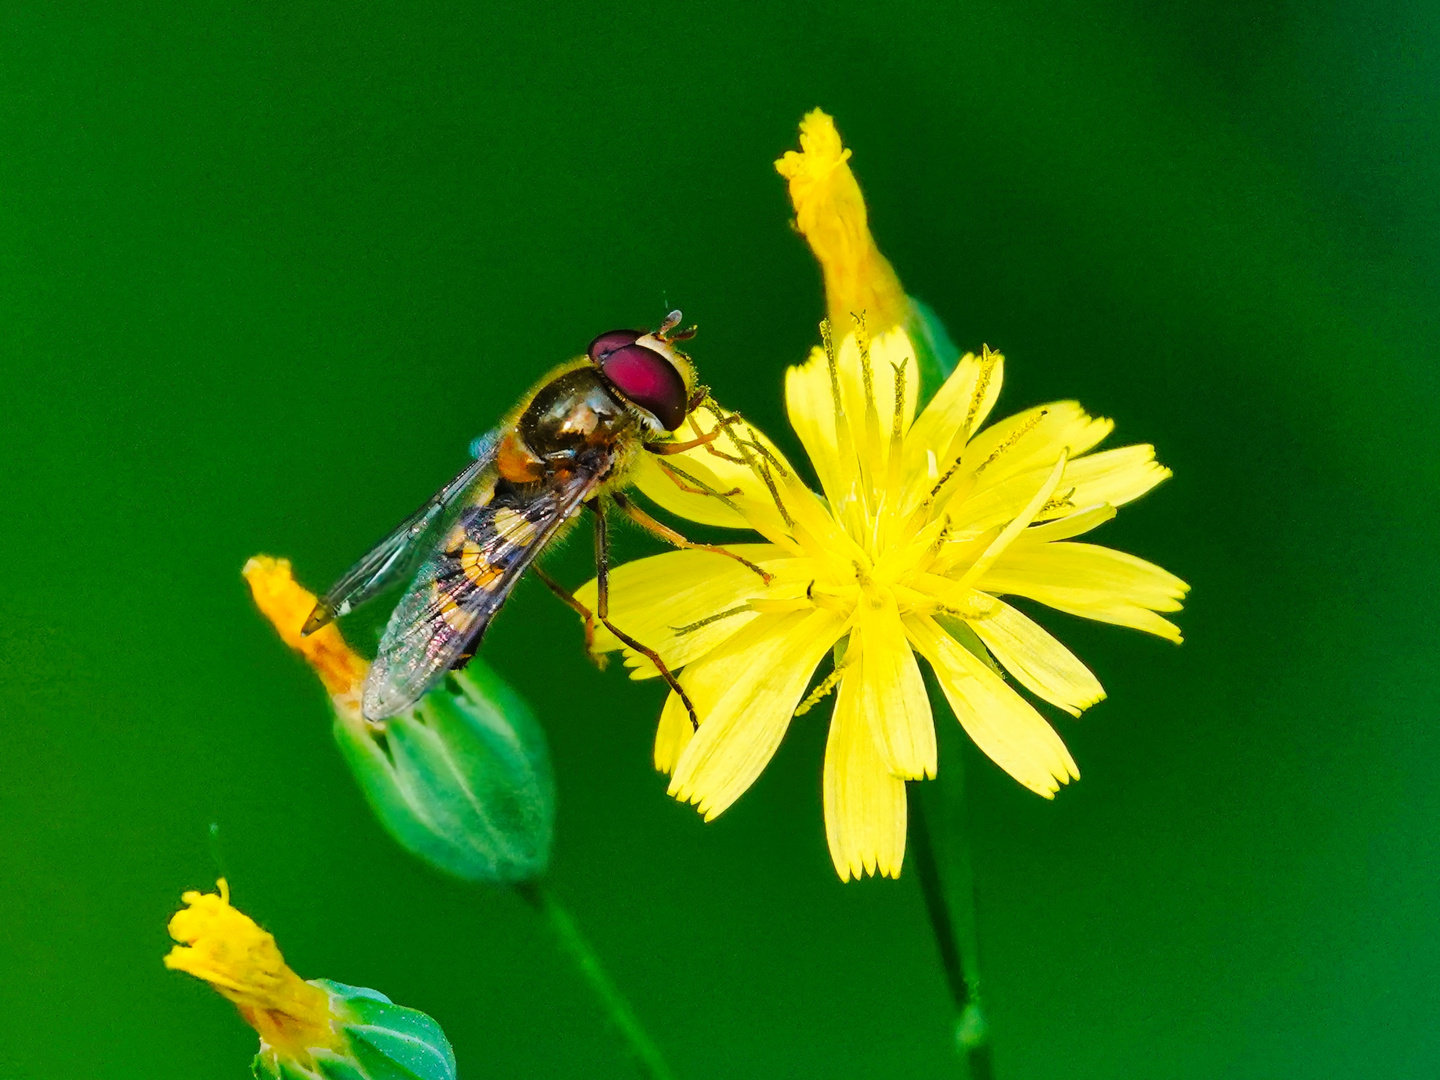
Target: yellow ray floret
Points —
{"points": [[224, 946]]}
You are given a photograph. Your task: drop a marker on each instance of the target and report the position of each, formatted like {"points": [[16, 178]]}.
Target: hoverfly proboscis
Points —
{"points": [[567, 447]]}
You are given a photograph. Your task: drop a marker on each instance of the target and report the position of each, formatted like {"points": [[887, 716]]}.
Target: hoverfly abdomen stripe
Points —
{"points": [[447, 606], [481, 572]]}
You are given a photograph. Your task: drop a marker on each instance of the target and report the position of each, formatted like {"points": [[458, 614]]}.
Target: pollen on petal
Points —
{"points": [[830, 214], [287, 604]]}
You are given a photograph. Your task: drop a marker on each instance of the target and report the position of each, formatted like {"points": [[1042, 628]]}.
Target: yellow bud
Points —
{"points": [[830, 214], [287, 605], [225, 947]]}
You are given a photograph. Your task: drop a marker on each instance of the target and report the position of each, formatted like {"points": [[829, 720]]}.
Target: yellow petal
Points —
{"points": [[810, 403], [1039, 662], [852, 458], [1007, 536], [660, 479], [287, 605], [1002, 724], [655, 599], [1063, 528], [1090, 581], [953, 415], [865, 811], [741, 479], [1032, 440], [890, 690], [720, 480], [830, 214], [1113, 477], [745, 692], [673, 734]]}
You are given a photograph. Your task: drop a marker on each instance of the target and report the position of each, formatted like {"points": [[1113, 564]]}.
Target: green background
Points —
{"points": [[264, 271]]}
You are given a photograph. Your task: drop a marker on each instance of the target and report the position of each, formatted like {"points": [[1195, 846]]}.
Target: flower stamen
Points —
{"points": [[690, 628], [989, 361], [822, 690], [1010, 440]]}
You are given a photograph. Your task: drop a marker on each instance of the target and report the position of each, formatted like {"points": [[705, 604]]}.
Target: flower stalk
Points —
{"points": [[575, 945], [957, 945]]}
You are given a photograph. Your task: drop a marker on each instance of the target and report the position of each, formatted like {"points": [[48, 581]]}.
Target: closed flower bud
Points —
{"points": [[461, 781], [318, 1030]]}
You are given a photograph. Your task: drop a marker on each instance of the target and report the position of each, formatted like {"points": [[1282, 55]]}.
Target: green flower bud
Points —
{"points": [[462, 780], [379, 1041]]}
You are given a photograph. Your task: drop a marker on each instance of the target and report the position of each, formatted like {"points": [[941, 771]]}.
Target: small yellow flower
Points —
{"points": [[926, 521], [224, 947]]}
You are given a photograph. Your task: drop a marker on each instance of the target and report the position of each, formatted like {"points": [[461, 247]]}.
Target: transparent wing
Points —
{"points": [[394, 557], [441, 619]]}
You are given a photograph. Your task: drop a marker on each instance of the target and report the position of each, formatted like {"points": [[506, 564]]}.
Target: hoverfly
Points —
{"points": [[568, 446]]}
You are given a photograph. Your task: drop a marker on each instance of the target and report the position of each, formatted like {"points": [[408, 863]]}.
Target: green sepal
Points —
{"points": [[383, 1041], [389, 1041], [935, 354], [960, 630], [462, 781]]}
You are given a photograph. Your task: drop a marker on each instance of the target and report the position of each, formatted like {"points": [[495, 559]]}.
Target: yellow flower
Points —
{"points": [[925, 523], [224, 947]]}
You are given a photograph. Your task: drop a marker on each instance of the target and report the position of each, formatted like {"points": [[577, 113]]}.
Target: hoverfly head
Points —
{"points": [[649, 370]]}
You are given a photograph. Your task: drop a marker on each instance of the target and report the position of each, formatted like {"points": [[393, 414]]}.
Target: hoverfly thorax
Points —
{"points": [[571, 412]]}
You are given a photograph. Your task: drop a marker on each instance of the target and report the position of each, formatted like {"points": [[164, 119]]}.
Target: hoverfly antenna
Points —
{"points": [[667, 331]]}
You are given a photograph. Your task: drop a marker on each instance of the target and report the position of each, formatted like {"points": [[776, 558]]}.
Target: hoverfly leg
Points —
{"points": [[678, 478], [602, 610], [681, 447], [670, 536], [568, 599]]}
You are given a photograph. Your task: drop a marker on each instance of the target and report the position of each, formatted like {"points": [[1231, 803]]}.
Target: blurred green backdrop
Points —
{"points": [[266, 268]]}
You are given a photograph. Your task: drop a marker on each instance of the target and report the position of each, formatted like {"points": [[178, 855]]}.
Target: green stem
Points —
{"points": [[567, 933], [972, 1032]]}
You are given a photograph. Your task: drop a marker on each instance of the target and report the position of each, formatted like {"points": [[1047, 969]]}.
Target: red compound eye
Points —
{"points": [[609, 341], [646, 378]]}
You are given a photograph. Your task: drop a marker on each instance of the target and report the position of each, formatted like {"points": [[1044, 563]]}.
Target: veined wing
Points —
{"points": [[439, 622], [395, 557]]}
